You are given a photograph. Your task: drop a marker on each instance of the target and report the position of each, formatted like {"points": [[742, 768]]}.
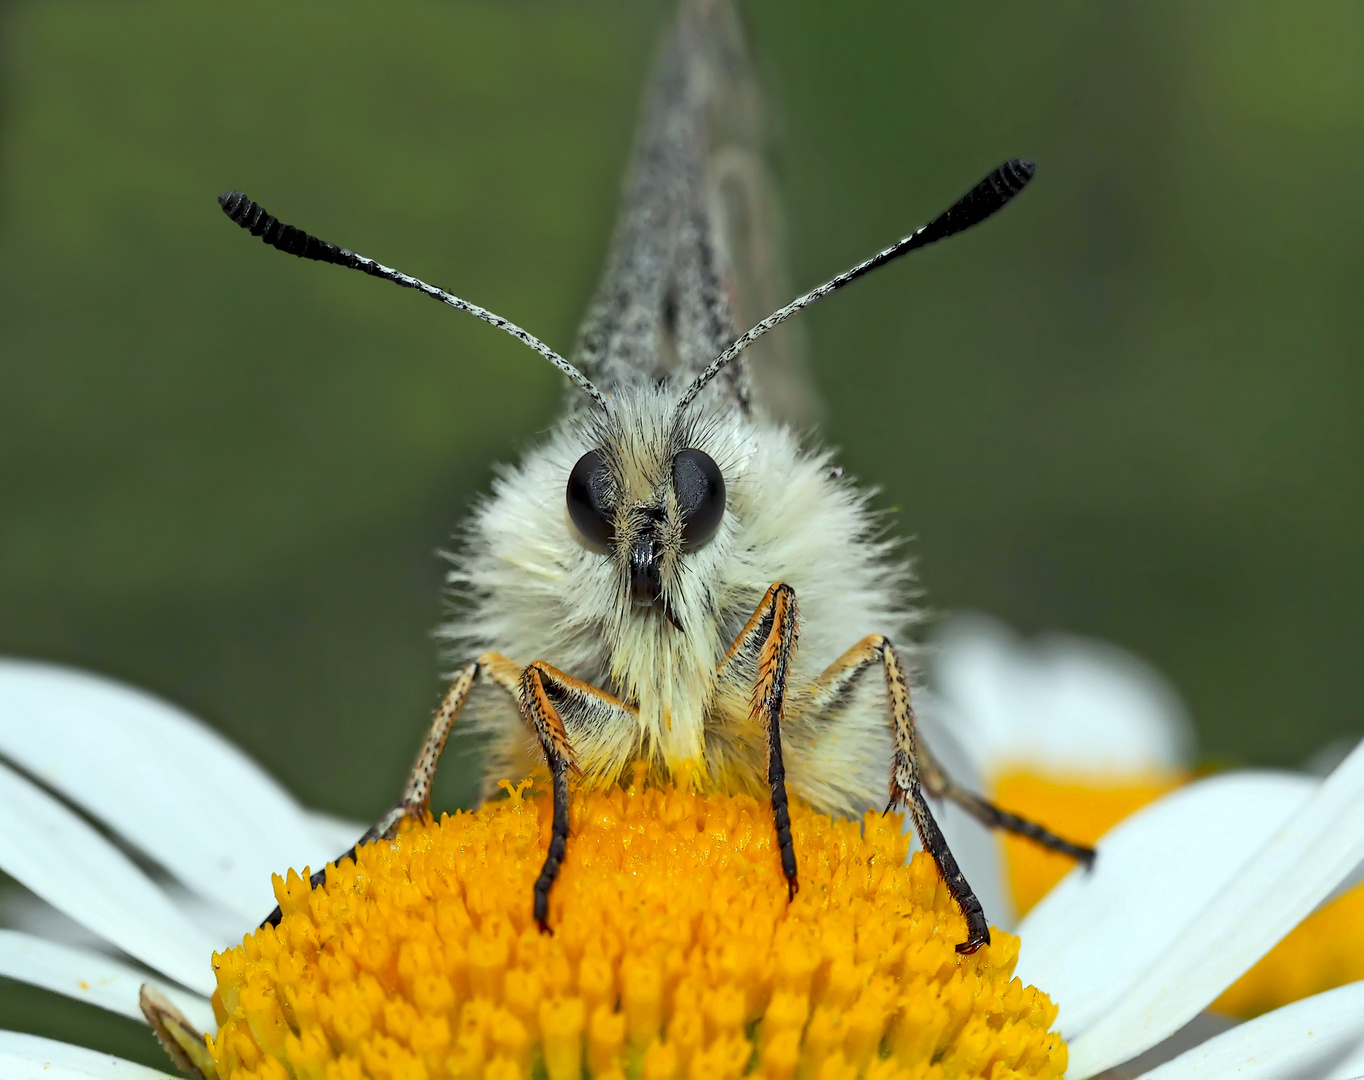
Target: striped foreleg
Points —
{"points": [[768, 641], [548, 696]]}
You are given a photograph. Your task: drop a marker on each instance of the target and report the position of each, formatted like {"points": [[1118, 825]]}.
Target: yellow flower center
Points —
{"points": [[1325, 951], [1081, 809], [675, 953]]}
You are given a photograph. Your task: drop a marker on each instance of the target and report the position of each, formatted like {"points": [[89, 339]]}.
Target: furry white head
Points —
{"points": [[530, 584]]}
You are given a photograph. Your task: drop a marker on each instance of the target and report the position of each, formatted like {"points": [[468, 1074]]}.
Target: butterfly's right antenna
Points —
{"points": [[253, 216], [991, 194]]}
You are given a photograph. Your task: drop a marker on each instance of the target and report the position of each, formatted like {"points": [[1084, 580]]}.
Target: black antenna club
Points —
{"points": [[259, 222], [991, 194]]}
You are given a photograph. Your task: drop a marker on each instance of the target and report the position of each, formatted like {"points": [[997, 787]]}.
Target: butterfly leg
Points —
{"points": [[906, 791], [914, 772], [849, 668], [905, 769], [941, 786], [416, 796], [548, 697], [766, 644], [934, 780]]}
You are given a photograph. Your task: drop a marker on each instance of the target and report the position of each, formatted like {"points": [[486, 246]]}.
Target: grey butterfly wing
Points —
{"points": [[748, 223], [696, 254]]}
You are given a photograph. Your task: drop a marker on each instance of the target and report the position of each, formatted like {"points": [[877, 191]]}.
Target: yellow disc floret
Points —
{"points": [[675, 953]]}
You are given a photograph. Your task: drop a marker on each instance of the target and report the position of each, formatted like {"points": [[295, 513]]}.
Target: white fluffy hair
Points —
{"points": [[527, 585]]}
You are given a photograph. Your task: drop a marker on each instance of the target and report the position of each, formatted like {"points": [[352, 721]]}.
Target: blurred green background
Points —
{"points": [[1132, 406]]}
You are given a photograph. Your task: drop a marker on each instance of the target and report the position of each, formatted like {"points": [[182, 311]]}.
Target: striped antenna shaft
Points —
{"points": [[254, 218], [990, 195]]}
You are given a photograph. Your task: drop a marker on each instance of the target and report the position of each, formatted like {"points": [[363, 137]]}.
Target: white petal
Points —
{"points": [[47, 848], [1318, 1038], [159, 778], [1281, 885], [973, 845], [21, 910], [90, 977], [1094, 935], [31, 1057], [1206, 1025], [1351, 882], [1059, 704], [217, 922]]}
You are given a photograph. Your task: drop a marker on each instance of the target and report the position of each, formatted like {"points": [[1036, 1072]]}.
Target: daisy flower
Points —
{"points": [[1079, 734], [1068, 730], [675, 953]]}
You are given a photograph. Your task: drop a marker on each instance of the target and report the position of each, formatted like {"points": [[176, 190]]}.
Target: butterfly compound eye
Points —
{"points": [[589, 499], [700, 494]]}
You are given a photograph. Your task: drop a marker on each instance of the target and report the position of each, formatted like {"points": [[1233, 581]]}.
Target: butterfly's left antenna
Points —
{"points": [[254, 217], [991, 194]]}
